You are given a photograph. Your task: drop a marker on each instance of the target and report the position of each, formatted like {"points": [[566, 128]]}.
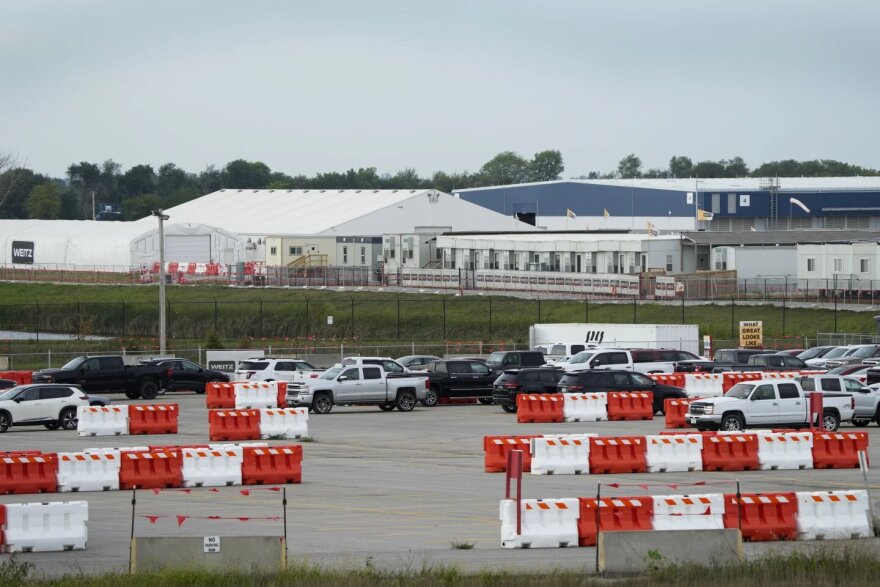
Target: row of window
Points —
{"points": [[293, 251], [837, 264]]}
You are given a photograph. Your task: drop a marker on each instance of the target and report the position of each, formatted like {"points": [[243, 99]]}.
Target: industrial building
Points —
{"points": [[829, 203]]}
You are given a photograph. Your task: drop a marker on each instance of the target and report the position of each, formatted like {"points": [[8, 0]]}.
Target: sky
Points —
{"points": [[311, 86]]}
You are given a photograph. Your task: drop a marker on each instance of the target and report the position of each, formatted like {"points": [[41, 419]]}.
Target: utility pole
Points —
{"points": [[162, 218]]}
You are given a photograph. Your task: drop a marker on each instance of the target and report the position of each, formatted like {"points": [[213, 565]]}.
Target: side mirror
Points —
{"points": [[865, 390], [17, 400], [342, 378]]}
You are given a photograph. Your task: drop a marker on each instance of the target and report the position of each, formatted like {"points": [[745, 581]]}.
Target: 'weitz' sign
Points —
{"points": [[23, 252]]}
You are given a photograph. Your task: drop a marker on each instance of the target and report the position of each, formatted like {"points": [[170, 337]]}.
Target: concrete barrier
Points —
{"points": [[246, 553], [636, 552]]}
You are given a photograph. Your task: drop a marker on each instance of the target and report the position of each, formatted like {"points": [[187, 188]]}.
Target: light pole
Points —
{"points": [[162, 218]]}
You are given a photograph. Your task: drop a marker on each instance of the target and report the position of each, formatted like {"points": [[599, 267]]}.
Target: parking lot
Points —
{"points": [[387, 489]]}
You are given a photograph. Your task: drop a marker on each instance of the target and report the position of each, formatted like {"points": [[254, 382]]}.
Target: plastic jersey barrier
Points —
{"points": [[785, 450], [88, 471], [28, 473], [616, 514], [689, 512], [838, 450], [703, 384], [212, 467], [269, 465], [568, 455], [540, 408], [257, 395], [630, 405], [674, 453], [622, 454], [762, 517], [234, 424], [220, 396], [153, 419], [496, 448], [101, 420], [284, 422], [546, 523], [730, 452], [150, 469], [46, 527], [833, 515], [676, 409], [585, 407]]}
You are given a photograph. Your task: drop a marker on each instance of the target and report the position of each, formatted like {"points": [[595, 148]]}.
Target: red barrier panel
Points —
{"points": [[156, 469], [234, 425], [730, 452], [496, 449], [675, 410], [620, 454], [152, 419], [673, 379], [282, 394], [630, 405], [542, 407], [764, 517], [274, 464], [25, 473], [220, 396], [20, 377], [617, 514], [839, 450]]}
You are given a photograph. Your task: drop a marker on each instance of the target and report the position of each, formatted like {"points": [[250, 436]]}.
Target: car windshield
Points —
{"points": [[304, 366], [10, 393], [812, 353], [740, 390], [838, 352], [74, 364], [583, 357], [253, 365], [865, 351], [331, 373], [495, 358], [642, 380]]}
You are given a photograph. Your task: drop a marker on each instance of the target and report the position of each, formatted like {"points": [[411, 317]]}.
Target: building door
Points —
{"points": [[578, 259]]}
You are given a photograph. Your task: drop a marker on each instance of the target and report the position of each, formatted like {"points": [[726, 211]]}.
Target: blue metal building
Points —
{"points": [[851, 203]]}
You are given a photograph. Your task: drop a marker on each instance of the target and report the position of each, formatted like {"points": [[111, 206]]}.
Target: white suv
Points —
{"points": [[53, 406], [266, 369]]}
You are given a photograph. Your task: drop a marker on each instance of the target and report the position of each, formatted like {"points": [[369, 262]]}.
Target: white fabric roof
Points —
{"points": [[287, 212], [721, 184], [72, 242], [540, 237]]}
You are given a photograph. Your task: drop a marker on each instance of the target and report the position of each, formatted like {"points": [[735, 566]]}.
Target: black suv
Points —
{"points": [[515, 381], [604, 381], [185, 375], [500, 360]]}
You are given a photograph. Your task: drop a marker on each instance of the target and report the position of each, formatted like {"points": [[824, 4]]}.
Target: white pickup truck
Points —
{"points": [[360, 385], [766, 403], [866, 399]]}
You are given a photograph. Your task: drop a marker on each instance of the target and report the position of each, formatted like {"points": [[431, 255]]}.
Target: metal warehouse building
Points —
{"points": [[672, 204]]}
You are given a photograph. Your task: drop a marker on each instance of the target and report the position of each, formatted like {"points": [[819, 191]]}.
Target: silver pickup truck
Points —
{"points": [[767, 403], [357, 385]]}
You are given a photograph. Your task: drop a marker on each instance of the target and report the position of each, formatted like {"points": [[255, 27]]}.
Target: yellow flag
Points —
{"points": [[703, 215]]}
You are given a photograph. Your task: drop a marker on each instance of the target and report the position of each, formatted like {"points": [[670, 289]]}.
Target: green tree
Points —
{"points": [[241, 174], [504, 168], [735, 167], [656, 173], [84, 176], [140, 206], [629, 167], [109, 182], [170, 180], [681, 166], [709, 169], [138, 180], [546, 166], [44, 201], [71, 208], [18, 183]]}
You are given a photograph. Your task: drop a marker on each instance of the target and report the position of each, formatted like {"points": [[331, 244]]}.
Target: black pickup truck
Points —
{"points": [[109, 373], [459, 378], [766, 362], [724, 359]]}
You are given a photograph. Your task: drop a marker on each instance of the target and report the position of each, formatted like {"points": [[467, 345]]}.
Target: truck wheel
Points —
{"points": [[132, 394], [149, 389], [509, 408], [486, 401], [431, 398], [5, 421], [322, 404], [387, 406], [406, 401], [830, 422], [732, 423], [68, 419], [861, 422]]}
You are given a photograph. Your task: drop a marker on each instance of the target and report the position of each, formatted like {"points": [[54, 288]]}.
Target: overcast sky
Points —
{"points": [[328, 85]]}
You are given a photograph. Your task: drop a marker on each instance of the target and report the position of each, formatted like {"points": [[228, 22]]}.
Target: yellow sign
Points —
{"points": [[751, 334]]}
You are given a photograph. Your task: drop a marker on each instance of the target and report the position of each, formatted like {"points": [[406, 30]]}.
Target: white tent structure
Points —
{"points": [[262, 213], [112, 246]]}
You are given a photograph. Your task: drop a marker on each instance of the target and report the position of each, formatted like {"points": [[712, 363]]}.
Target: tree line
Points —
{"points": [[142, 188]]}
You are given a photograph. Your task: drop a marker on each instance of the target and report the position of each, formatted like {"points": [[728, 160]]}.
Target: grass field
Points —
{"points": [[197, 313], [852, 567]]}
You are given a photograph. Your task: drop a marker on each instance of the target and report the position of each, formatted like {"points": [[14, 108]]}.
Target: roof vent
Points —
{"points": [[322, 191], [239, 191]]}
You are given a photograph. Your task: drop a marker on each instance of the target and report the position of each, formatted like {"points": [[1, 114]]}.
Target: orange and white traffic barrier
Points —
{"points": [[284, 423], [667, 453], [704, 384], [101, 420], [212, 467], [785, 450], [88, 471], [561, 455], [44, 527], [557, 523], [545, 523], [827, 515], [584, 407], [256, 395]]}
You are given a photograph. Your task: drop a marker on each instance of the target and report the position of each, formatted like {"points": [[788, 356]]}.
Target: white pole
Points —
{"points": [[162, 217]]}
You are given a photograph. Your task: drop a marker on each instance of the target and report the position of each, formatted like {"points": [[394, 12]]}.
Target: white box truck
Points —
{"points": [[685, 337]]}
